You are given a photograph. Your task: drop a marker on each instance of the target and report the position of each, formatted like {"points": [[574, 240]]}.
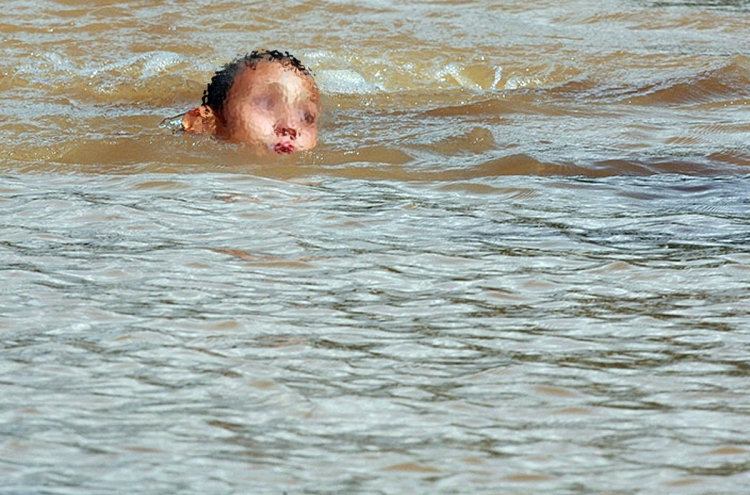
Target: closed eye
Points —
{"points": [[308, 118], [265, 103]]}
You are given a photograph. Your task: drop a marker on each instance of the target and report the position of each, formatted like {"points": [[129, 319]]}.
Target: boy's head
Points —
{"points": [[267, 98]]}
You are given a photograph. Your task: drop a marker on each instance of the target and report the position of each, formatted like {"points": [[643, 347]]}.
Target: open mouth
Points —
{"points": [[282, 148]]}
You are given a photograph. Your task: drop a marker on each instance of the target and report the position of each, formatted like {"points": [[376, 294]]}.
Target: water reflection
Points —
{"points": [[530, 333]]}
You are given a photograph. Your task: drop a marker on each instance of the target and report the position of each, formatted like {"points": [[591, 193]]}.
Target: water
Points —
{"points": [[517, 263]]}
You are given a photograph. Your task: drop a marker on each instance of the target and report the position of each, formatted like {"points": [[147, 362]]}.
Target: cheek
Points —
{"points": [[255, 122], [258, 116], [309, 138]]}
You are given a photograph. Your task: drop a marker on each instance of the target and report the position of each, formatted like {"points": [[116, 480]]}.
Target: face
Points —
{"points": [[273, 107]]}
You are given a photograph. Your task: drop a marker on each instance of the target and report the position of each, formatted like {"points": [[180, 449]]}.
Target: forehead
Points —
{"points": [[274, 76]]}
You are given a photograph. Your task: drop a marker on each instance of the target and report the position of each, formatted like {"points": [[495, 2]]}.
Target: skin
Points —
{"points": [[270, 106]]}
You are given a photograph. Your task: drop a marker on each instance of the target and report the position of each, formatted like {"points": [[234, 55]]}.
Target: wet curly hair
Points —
{"points": [[222, 81]]}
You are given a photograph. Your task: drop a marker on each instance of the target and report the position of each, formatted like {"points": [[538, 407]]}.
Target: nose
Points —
{"points": [[284, 129]]}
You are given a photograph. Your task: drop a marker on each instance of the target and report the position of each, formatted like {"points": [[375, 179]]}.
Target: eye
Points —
{"points": [[308, 118], [265, 103]]}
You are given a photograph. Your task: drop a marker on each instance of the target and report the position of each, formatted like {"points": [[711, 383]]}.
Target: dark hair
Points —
{"points": [[222, 81]]}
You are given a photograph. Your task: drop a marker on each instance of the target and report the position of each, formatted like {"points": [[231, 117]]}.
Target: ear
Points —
{"points": [[200, 120]]}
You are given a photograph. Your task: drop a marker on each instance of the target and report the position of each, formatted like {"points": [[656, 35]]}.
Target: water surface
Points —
{"points": [[517, 263]]}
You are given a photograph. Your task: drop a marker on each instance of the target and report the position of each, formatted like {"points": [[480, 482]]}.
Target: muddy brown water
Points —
{"points": [[517, 263]]}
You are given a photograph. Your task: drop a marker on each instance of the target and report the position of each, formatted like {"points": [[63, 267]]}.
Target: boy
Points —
{"points": [[268, 99]]}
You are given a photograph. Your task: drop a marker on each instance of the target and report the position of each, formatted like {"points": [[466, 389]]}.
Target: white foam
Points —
{"points": [[158, 62], [498, 76], [151, 63], [518, 82], [344, 81], [454, 71]]}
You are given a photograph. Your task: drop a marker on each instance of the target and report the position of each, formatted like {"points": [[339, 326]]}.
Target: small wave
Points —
{"points": [[431, 71], [345, 81], [740, 5], [155, 75], [143, 65], [729, 82], [51, 66]]}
